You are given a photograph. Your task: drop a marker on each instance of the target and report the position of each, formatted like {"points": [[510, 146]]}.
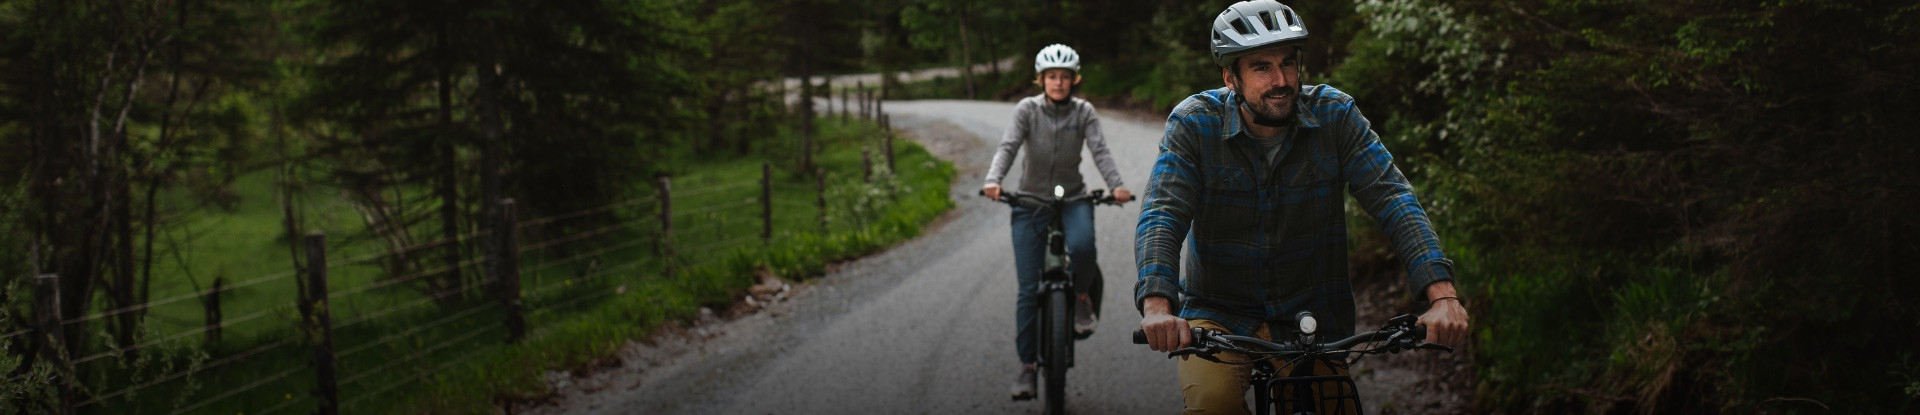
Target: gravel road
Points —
{"points": [[925, 327]]}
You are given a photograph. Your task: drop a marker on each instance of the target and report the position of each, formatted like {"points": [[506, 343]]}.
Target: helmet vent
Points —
{"points": [[1293, 23], [1266, 19], [1240, 27]]}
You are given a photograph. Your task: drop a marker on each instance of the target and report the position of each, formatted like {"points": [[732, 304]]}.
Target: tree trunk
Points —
{"points": [[806, 112], [448, 188], [491, 129], [966, 53], [741, 145]]}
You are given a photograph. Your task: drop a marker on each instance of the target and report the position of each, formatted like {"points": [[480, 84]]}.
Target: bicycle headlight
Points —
{"points": [[1059, 191], [1308, 324]]}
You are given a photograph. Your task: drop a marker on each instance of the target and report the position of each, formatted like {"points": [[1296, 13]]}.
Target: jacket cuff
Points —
{"points": [[1426, 274], [1154, 287]]}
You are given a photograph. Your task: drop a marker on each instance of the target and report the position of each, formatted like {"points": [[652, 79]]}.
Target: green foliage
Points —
{"points": [[24, 387], [1685, 189], [1187, 66], [579, 340]]}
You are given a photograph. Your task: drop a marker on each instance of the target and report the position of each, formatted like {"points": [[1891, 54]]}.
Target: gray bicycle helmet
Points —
{"points": [[1254, 24], [1056, 56]]}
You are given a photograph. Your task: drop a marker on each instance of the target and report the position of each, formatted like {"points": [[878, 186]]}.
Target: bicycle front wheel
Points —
{"points": [[1059, 339]]}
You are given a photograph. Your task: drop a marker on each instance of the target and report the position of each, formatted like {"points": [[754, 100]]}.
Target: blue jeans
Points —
{"points": [[1029, 260]]}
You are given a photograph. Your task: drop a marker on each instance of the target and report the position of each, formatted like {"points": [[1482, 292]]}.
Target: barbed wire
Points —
{"points": [[582, 235], [341, 262], [216, 363], [703, 191], [203, 329], [405, 278], [713, 225], [450, 291], [388, 339], [568, 282], [418, 354], [170, 300], [576, 257], [716, 208], [10, 336], [470, 235], [236, 391], [285, 403], [726, 243], [410, 380], [556, 218], [580, 299]]}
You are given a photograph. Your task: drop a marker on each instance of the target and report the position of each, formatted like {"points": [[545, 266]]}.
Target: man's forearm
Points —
{"points": [[1441, 289]]}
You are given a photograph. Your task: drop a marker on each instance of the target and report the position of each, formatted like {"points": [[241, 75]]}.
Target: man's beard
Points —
{"points": [[1271, 115]]}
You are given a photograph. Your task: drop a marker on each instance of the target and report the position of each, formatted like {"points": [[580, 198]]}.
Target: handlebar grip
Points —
{"points": [[1139, 337], [1418, 333]]}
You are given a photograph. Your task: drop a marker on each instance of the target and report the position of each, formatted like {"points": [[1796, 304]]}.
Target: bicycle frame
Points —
{"points": [[1056, 290]]}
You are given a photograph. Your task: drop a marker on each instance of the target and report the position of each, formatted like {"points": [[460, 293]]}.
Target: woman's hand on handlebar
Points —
{"points": [[991, 191], [1121, 195], [1165, 331]]}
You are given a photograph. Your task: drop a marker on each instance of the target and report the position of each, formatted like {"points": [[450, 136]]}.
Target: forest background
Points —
{"points": [[1655, 206]]}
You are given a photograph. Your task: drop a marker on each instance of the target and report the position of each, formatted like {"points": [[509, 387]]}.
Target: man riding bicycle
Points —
{"points": [[1249, 176], [1053, 126]]}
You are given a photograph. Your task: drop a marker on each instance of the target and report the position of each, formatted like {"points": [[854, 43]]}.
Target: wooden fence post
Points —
{"points": [[820, 185], [860, 89], [52, 337], [886, 127], [506, 269], [766, 202], [845, 96], [866, 164], [213, 311], [320, 325], [806, 151], [666, 223]]}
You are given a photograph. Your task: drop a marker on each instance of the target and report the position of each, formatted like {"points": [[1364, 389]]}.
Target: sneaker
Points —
{"points": [[1023, 384], [1083, 318]]}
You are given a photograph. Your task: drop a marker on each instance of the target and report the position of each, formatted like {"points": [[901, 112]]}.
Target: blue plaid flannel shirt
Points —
{"points": [[1265, 241]]}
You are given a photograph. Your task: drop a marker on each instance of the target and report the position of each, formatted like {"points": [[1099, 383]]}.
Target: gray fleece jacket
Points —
{"points": [[1053, 135]]}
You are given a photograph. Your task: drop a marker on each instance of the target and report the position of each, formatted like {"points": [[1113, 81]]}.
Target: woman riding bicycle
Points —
{"points": [[1053, 126], [1250, 179]]}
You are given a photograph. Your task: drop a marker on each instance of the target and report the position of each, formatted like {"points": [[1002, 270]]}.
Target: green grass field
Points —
{"points": [[584, 293]]}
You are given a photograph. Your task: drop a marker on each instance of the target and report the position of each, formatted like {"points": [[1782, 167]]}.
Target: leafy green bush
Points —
{"points": [[1664, 208]]}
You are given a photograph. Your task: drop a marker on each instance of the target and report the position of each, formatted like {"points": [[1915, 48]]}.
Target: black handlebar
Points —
{"points": [[1010, 197], [1396, 336]]}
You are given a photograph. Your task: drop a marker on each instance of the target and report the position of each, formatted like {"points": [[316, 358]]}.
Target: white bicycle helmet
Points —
{"points": [[1056, 56], [1254, 24]]}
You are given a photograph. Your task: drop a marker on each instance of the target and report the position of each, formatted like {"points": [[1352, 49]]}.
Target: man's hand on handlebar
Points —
{"points": [[1165, 331], [1121, 195], [1446, 319]]}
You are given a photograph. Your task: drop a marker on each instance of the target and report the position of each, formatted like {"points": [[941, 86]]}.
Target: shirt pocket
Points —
{"points": [[1227, 211], [1312, 172], [1311, 199]]}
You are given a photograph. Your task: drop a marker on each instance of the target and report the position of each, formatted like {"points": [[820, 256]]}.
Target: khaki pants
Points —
{"points": [[1213, 388]]}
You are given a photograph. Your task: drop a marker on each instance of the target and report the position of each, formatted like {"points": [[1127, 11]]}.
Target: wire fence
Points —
{"points": [[381, 332]]}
